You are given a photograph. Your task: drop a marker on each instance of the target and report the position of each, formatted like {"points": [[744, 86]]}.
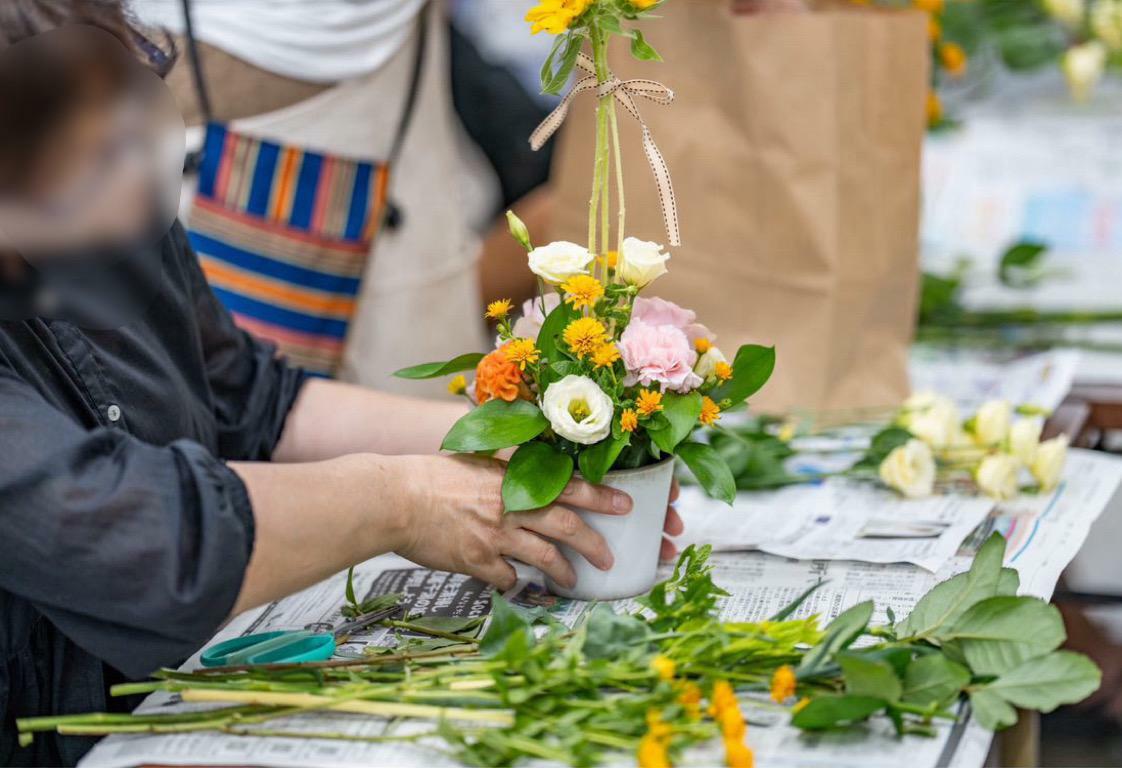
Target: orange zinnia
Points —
{"points": [[496, 377]]}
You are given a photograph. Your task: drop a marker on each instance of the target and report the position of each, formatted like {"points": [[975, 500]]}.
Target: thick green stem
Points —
{"points": [[601, 172], [617, 151]]}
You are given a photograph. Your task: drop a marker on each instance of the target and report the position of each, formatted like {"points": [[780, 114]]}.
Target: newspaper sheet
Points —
{"points": [[970, 377], [1044, 533], [835, 520]]}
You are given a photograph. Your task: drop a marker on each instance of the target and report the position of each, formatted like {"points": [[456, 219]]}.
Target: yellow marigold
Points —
{"points": [[497, 310], [738, 754], [664, 667], [723, 371], [628, 420], [585, 335], [783, 684], [690, 699], [934, 108], [582, 291], [953, 58], [522, 352], [649, 402], [458, 385], [725, 709], [710, 412], [605, 356], [652, 753], [555, 16], [702, 345]]}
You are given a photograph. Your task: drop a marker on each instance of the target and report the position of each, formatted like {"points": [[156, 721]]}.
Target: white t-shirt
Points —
{"points": [[323, 41]]}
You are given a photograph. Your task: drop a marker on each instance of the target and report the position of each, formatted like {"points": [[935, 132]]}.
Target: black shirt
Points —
{"points": [[123, 536]]}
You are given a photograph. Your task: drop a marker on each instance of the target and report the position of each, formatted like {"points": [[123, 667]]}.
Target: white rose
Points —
{"points": [[932, 418], [1083, 67], [1024, 437], [1047, 464], [706, 366], [991, 423], [641, 262], [997, 475], [910, 469], [578, 410], [557, 262]]}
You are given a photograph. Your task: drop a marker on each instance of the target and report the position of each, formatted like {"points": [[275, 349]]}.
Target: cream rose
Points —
{"points": [[932, 418], [997, 476], [578, 410], [910, 469], [1024, 437], [557, 262], [641, 262], [1047, 466], [991, 423], [706, 366], [1083, 67]]}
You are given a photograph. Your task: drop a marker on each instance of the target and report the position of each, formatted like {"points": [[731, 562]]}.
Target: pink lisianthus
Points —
{"points": [[656, 311], [658, 354], [530, 324]]}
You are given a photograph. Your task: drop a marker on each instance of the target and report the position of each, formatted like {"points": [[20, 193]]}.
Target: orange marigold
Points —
{"points": [[496, 378], [649, 402], [628, 420], [710, 412]]}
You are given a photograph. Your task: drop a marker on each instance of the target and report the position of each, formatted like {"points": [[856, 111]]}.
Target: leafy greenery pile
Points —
{"points": [[531, 688]]}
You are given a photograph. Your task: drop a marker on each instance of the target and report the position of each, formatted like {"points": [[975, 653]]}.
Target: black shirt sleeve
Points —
{"points": [[253, 388], [136, 552]]}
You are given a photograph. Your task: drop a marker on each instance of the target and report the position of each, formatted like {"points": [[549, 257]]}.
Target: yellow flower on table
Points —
{"points": [[582, 291], [522, 352], [664, 667], [783, 684], [953, 58], [649, 402], [497, 310], [555, 16], [585, 335], [929, 6], [710, 412]]}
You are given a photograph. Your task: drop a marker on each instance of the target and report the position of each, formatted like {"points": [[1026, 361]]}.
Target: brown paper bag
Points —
{"points": [[794, 143]]}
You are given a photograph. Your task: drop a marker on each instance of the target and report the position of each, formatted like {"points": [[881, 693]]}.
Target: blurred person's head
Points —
{"points": [[88, 132]]}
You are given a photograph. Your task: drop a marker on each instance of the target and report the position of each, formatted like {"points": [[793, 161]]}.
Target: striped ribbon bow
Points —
{"points": [[625, 92]]}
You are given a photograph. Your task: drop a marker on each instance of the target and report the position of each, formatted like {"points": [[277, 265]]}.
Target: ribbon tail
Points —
{"points": [[554, 119], [666, 198]]}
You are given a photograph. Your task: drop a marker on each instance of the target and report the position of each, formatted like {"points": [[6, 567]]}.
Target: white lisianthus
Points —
{"points": [[1106, 22], [1083, 67], [910, 469], [557, 262], [997, 476], [932, 418], [1047, 465], [991, 423], [578, 410], [1068, 12], [641, 262], [706, 366], [1024, 437]]}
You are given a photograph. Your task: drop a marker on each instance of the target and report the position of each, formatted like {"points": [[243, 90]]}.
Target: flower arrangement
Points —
{"points": [[594, 374]]}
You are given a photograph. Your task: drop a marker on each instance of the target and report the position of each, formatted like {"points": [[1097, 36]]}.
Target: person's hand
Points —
{"points": [[673, 526], [455, 521]]}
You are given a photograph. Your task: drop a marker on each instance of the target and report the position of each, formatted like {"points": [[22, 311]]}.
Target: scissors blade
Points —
{"points": [[364, 621]]}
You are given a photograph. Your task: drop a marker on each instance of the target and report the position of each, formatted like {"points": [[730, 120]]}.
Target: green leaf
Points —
{"points": [[1009, 581], [506, 622], [535, 477], [751, 369], [1020, 266], [866, 677], [641, 49], [1045, 683], [949, 599], [552, 329], [560, 77], [883, 443], [830, 711], [681, 413], [839, 635], [1000, 633], [710, 470], [596, 460], [934, 680], [992, 711], [547, 66], [435, 370], [789, 609], [611, 635], [350, 590], [495, 425]]}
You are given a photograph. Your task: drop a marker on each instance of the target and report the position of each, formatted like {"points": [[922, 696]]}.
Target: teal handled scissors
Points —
{"points": [[285, 646]]}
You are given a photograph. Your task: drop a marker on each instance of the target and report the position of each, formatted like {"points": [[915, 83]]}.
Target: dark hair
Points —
{"points": [[22, 19]]}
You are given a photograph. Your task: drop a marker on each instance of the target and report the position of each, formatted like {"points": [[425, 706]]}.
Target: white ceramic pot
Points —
{"points": [[634, 538]]}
